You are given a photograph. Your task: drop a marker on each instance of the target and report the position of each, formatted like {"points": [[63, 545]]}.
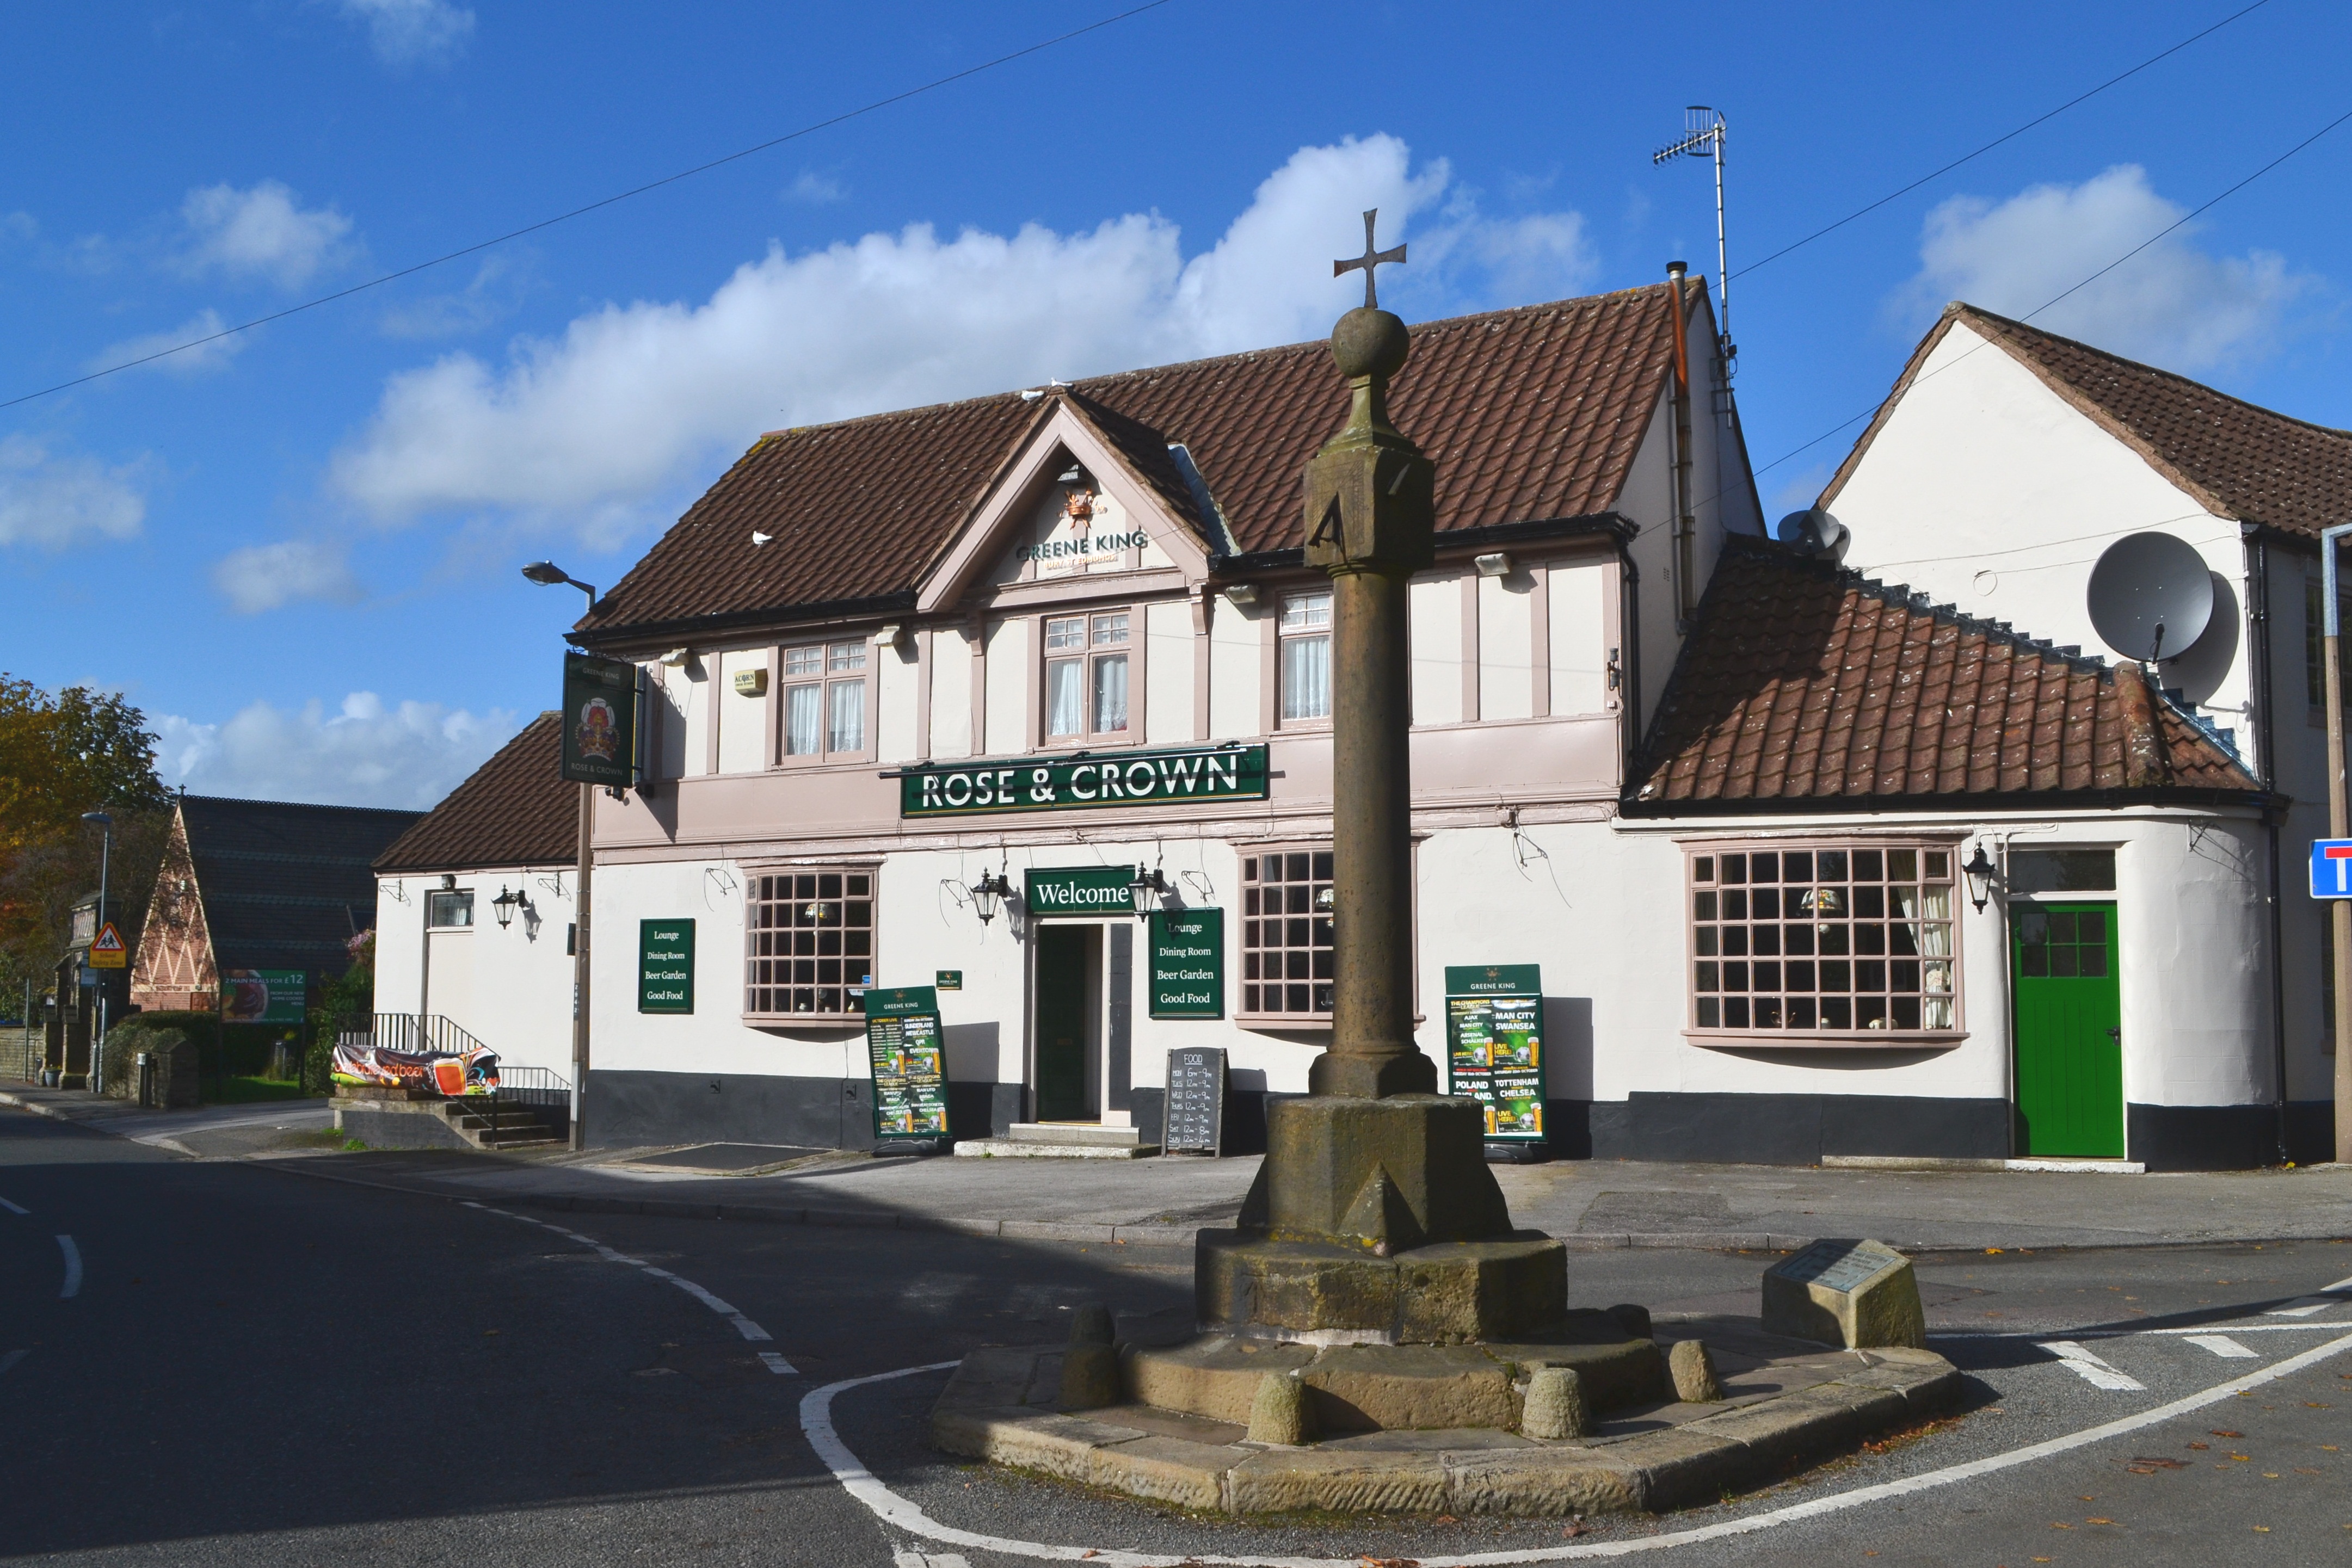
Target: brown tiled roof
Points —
{"points": [[2241, 461], [1804, 685], [1532, 414], [514, 810]]}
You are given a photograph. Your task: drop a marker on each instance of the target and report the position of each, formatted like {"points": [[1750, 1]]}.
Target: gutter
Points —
{"points": [[2269, 802], [900, 601], [1242, 563]]}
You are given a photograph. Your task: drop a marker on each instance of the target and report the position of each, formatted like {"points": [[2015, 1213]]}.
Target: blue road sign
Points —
{"points": [[2331, 868]]}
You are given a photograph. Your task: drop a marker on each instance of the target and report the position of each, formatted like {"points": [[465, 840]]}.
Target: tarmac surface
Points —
{"points": [[255, 1365]]}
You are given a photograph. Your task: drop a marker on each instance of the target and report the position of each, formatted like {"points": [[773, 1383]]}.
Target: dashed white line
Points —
{"points": [[72, 1287], [2091, 1369], [816, 1421], [12, 1207], [743, 1325], [2221, 1344]]}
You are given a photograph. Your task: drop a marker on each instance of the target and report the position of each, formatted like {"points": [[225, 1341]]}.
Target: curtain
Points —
{"points": [[802, 738], [1066, 711], [1110, 694], [1307, 677], [848, 727]]}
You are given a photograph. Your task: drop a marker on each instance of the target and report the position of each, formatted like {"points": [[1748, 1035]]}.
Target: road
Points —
{"points": [[229, 1364]]}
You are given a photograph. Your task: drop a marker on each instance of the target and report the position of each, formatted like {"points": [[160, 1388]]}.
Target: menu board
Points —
{"points": [[1196, 1101], [1495, 1045], [902, 1047]]}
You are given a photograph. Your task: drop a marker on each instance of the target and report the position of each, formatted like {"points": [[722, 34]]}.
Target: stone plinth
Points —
{"points": [[1849, 1293], [1327, 1293]]}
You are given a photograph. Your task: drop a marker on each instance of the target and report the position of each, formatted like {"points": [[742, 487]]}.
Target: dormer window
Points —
{"points": [[824, 699], [1086, 676]]}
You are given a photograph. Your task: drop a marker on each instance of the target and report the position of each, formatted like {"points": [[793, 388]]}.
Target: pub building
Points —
{"points": [[1793, 858]]}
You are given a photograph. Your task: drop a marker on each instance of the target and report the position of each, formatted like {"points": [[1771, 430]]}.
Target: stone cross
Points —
{"points": [[1368, 260]]}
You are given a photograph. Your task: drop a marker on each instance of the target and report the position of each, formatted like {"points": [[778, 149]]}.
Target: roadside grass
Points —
{"points": [[253, 1090]]}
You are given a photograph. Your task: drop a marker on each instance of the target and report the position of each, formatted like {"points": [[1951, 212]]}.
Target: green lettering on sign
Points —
{"points": [[665, 966], [1187, 964], [1079, 890], [1067, 783]]}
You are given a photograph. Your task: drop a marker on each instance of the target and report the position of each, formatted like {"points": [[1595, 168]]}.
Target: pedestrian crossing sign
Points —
{"points": [[106, 949]]}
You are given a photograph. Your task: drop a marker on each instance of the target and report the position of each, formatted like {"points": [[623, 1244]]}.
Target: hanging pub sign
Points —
{"points": [[665, 966], [1188, 962], [902, 1046], [599, 720], [1495, 1045], [1093, 778]]}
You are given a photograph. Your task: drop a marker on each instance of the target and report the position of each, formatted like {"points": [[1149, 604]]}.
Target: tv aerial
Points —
{"points": [[2151, 597], [1702, 137]]}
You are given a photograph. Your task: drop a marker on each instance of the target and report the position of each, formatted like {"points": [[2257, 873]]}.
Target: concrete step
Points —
{"points": [[1092, 1133]]}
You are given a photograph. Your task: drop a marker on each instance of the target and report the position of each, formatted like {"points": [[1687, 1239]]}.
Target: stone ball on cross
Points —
{"points": [[1370, 343]]}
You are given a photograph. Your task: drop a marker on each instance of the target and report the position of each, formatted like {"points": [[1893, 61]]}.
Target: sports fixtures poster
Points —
{"points": [[1495, 1045], [910, 1080]]}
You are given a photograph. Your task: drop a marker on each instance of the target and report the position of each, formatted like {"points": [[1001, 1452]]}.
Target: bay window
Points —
{"points": [[1823, 940]]}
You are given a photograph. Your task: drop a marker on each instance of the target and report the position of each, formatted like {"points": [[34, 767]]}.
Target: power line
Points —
{"points": [[810, 129], [2012, 136]]}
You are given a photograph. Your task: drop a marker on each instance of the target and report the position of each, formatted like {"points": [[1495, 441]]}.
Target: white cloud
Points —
{"points": [[263, 577], [405, 32], [589, 431], [58, 499], [814, 188], [2172, 304], [365, 754], [481, 303], [263, 232], [206, 356]]}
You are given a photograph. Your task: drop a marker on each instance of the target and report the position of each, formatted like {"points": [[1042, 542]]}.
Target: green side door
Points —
{"points": [[2070, 1053], [1061, 1014]]}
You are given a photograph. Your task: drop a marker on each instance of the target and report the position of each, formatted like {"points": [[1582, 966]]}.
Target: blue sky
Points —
{"points": [[297, 549]]}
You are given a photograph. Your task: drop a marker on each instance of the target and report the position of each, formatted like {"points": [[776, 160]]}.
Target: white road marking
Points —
{"points": [[2133, 1333], [12, 1207], [2090, 1368], [72, 1286], [902, 1558], [2221, 1344], [775, 1361], [2301, 1309], [743, 1325], [816, 1421], [11, 1359]]}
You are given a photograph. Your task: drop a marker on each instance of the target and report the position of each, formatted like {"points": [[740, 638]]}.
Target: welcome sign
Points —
{"points": [[1067, 783], [1079, 890]]}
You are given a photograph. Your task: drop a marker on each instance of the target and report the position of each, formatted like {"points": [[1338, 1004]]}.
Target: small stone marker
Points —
{"points": [[1280, 1414], [1634, 1318], [1693, 1372], [1090, 1363], [1846, 1292], [1556, 1406]]}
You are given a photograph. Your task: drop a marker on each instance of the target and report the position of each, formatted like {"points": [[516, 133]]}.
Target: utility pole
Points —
{"points": [[546, 573], [2339, 912], [105, 856]]}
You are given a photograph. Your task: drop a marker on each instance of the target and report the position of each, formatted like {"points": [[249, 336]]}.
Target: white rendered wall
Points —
{"points": [[1234, 671], [1580, 638], [742, 718], [950, 691], [1436, 640], [1506, 646], [511, 989], [692, 685], [898, 689], [1987, 490], [1009, 654], [1168, 673]]}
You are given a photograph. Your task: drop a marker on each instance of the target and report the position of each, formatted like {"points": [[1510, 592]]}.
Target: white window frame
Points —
{"points": [[433, 898], [824, 678], [1285, 634], [1867, 915]]}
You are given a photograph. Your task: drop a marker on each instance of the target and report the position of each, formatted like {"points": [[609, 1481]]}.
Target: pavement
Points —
{"points": [[1591, 1205]]}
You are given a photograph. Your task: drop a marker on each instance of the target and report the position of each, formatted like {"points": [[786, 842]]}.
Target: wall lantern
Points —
{"points": [[506, 903], [989, 891], [1981, 873], [1146, 890], [1327, 903], [815, 914]]}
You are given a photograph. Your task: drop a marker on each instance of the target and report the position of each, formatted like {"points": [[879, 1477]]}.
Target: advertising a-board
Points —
{"points": [[1495, 1045], [903, 1050]]}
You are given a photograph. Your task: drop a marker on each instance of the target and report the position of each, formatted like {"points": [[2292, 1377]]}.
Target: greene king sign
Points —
{"points": [[1065, 783]]}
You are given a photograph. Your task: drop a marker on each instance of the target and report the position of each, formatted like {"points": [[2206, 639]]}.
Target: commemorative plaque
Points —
{"points": [[1853, 1293]]}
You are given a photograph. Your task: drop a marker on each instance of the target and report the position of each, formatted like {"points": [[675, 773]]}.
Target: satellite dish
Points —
{"points": [[1815, 532], [2151, 596]]}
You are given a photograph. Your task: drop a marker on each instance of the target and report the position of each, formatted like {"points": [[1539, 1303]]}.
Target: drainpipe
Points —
{"points": [[1685, 530], [1629, 658], [2262, 721], [2342, 912]]}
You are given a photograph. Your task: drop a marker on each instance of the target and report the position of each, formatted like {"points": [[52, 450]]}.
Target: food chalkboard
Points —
{"points": [[1495, 1045], [902, 1045], [1196, 1101]]}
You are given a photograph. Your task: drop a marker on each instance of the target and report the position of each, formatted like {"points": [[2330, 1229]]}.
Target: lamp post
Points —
{"points": [[547, 574], [2339, 913], [105, 854]]}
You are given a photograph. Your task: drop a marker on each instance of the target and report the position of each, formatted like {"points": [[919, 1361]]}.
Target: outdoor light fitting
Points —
{"points": [[1981, 873], [547, 574], [506, 903], [1242, 595], [989, 891], [1495, 565], [1146, 890]]}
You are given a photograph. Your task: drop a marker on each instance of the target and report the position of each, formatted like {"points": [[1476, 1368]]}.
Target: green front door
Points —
{"points": [[1063, 954], [2070, 1054]]}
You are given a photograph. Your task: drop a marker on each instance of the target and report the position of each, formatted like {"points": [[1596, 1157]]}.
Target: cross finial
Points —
{"points": [[1368, 260]]}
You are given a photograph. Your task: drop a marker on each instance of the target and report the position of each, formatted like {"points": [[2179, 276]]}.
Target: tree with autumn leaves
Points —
{"points": [[61, 755]]}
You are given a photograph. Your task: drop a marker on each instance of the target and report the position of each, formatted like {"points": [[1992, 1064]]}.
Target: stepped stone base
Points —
{"points": [[1786, 1403], [1321, 1293], [1060, 1141]]}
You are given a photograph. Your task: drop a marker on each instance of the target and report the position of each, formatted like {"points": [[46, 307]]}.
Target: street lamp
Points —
{"points": [[105, 853], [1145, 890], [547, 574]]}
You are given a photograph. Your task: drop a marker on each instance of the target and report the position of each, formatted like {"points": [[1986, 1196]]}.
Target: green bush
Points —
{"points": [[142, 1031]]}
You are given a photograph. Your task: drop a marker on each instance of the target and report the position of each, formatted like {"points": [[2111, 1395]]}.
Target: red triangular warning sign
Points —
{"points": [[106, 952]]}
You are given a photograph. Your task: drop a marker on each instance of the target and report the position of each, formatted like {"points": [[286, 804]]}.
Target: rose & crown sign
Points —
{"points": [[1089, 778]]}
